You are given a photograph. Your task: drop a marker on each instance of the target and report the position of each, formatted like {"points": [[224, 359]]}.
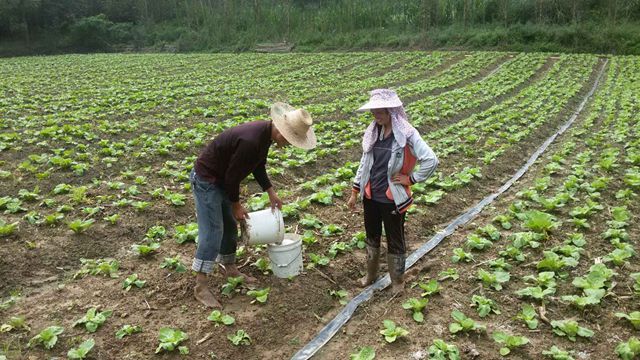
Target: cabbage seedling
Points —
{"points": [[127, 330], [509, 341], [464, 324], [218, 318], [260, 295], [82, 350], [392, 332], [170, 339], [93, 319], [570, 329], [416, 306], [240, 338], [47, 337], [366, 353]]}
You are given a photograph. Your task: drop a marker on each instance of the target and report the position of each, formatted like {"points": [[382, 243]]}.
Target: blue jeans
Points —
{"points": [[217, 228]]}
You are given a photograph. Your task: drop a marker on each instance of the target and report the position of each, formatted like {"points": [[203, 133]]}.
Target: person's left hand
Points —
{"points": [[274, 199], [401, 179]]}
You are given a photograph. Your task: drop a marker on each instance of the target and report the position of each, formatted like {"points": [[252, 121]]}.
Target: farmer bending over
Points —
{"points": [[222, 165], [391, 148]]}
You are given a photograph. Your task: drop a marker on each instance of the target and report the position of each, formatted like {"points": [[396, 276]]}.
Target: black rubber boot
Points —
{"points": [[373, 263], [395, 263]]}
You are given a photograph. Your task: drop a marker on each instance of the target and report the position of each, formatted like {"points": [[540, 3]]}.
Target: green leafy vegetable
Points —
{"points": [[510, 342], [170, 339], [106, 267], [460, 255], [556, 353], [477, 242], [14, 323], [504, 221], [430, 288], [485, 306], [331, 230], [318, 260], [232, 285], [440, 350], [366, 353], [633, 317], [449, 274], [570, 329], [218, 318], [529, 316], [47, 337], [555, 262], [392, 332], [263, 265], [127, 330], [173, 263], [493, 279], [79, 226], [341, 295], [7, 229], [93, 319], [629, 350], [145, 249], [464, 324], [82, 350], [133, 280], [310, 222], [416, 306], [539, 221], [240, 338], [259, 295], [186, 233]]}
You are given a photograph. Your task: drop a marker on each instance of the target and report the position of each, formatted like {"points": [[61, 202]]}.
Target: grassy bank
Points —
{"points": [[583, 38]]}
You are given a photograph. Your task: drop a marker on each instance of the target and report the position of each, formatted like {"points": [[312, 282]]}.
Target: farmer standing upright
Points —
{"points": [[391, 149], [218, 171]]}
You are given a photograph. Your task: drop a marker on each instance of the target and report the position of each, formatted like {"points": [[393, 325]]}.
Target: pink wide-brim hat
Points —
{"points": [[381, 99]]}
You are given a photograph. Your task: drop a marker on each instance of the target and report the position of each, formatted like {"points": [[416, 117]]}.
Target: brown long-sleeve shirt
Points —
{"points": [[234, 154]]}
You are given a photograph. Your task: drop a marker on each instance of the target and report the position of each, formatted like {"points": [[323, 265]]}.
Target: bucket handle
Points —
{"points": [[290, 262]]}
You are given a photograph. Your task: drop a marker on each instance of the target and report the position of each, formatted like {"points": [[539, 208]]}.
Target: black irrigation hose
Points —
{"points": [[334, 325]]}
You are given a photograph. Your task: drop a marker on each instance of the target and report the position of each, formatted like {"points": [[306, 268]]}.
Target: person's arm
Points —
{"points": [[238, 168], [356, 180], [260, 174], [274, 199], [425, 157], [351, 203]]}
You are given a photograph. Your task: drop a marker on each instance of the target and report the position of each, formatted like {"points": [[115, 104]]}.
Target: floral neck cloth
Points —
{"points": [[399, 125]]}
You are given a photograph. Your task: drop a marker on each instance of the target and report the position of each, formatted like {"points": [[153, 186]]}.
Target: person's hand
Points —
{"points": [[351, 203], [274, 199], [239, 212], [401, 179]]}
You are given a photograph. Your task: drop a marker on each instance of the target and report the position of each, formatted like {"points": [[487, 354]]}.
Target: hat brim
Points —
{"points": [[307, 142], [378, 105]]}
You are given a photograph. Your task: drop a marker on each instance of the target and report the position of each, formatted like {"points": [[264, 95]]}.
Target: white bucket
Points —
{"points": [[263, 227], [286, 258]]}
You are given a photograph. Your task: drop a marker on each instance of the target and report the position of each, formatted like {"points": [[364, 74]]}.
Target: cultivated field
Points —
{"points": [[97, 221]]}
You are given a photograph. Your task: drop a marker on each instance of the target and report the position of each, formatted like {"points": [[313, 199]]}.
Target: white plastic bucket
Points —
{"points": [[286, 258], [263, 227]]}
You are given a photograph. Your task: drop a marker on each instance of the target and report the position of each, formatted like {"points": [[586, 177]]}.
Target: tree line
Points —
{"points": [[94, 25]]}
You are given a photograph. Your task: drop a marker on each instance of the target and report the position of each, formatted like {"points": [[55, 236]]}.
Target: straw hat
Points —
{"points": [[294, 124], [381, 99]]}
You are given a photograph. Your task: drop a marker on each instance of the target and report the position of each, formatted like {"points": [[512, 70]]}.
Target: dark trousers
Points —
{"points": [[377, 214]]}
